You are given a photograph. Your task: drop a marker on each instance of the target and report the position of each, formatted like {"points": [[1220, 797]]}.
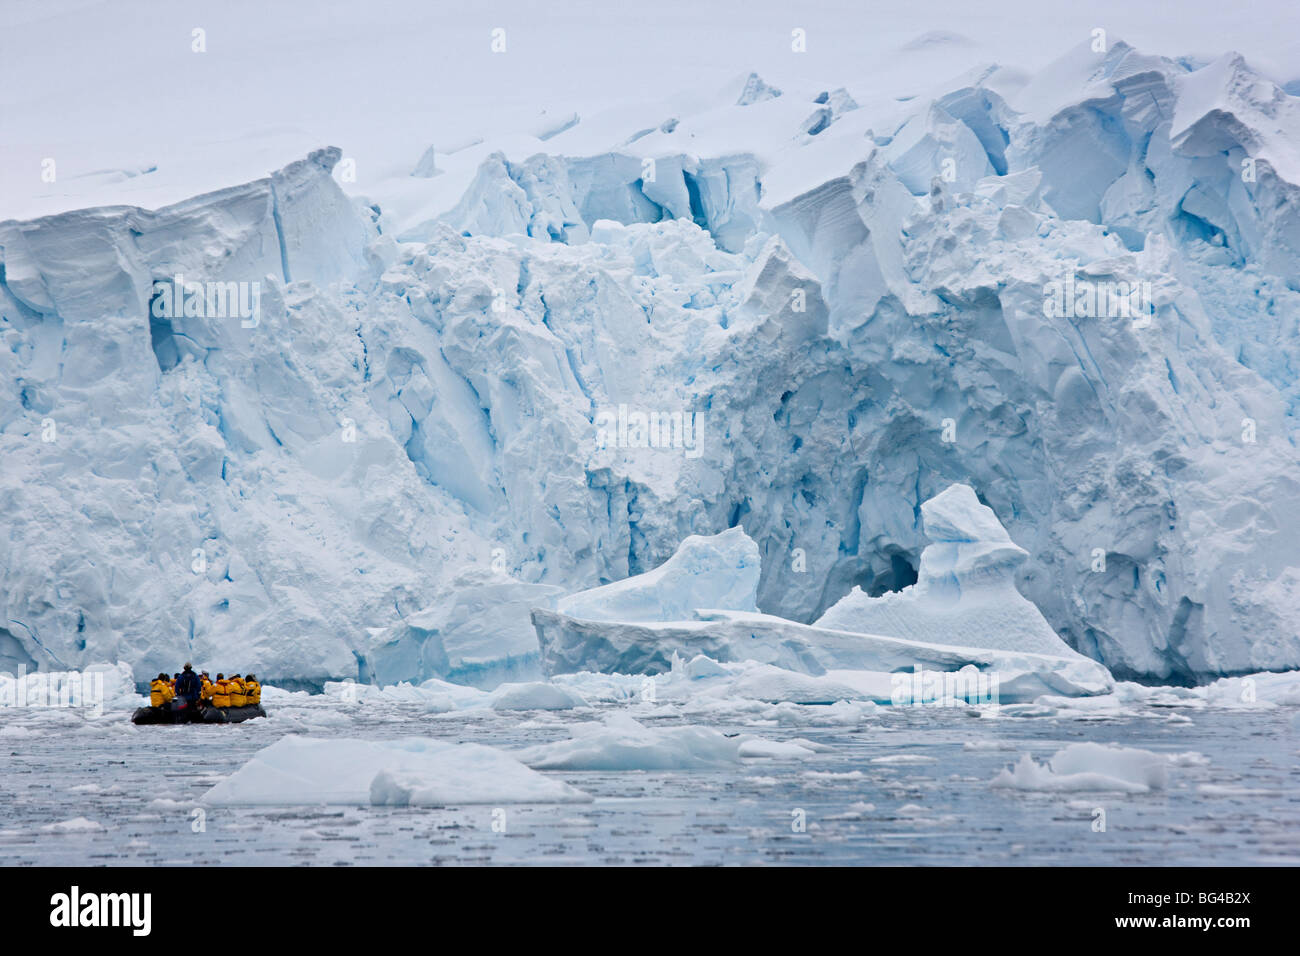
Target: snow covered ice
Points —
{"points": [[1089, 767], [720, 571], [907, 430], [963, 612], [456, 386], [965, 591], [410, 772]]}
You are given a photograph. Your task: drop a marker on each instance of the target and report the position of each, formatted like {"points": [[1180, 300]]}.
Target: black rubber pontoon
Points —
{"points": [[182, 712], [231, 715]]}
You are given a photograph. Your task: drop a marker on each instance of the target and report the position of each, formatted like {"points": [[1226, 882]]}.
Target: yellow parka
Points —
{"points": [[207, 690], [221, 693], [238, 692], [160, 691], [254, 692]]}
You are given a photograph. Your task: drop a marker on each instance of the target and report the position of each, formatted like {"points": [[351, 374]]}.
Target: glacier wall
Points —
{"points": [[847, 302]]}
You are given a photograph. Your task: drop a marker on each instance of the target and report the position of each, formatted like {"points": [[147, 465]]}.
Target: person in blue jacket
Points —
{"points": [[188, 685]]}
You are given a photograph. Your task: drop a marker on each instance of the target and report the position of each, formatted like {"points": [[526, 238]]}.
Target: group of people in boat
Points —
{"points": [[233, 691]]}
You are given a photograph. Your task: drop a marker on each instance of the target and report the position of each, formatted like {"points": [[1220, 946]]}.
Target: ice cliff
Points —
{"points": [[542, 369]]}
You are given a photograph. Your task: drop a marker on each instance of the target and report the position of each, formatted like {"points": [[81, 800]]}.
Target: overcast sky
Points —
{"points": [[105, 85]]}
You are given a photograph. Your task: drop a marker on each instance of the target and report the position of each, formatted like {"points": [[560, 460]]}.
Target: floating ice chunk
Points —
{"points": [[834, 775], [570, 646], [478, 633], [430, 696], [75, 825], [166, 803], [842, 713], [758, 748], [965, 593], [459, 694], [707, 571], [469, 773], [536, 696], [812, 745], [118, 683], [775, 684], [856, 811], [621, 743], [92, 689], [1252, 690], [608, 687], [417, 771], [701, 666], [1089, 766], [965, 597], [1228, 790]]}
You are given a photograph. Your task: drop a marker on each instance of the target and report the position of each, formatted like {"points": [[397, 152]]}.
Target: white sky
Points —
{"points": [[113, 84]]}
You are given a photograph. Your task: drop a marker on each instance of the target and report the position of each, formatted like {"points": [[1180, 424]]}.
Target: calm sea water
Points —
{"points": [[141, 787]]}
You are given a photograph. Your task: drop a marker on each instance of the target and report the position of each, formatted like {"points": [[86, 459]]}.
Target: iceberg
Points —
{"points": [[965, 592], [535, 696], [622, 743], [572, 646], [476, 632], [296, 771], [1090, 766], [706, 571], [964, 611]]}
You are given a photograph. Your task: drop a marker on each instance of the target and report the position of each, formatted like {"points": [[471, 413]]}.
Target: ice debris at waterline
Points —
{"points": [[1091, 766], [408, 772], [622, 743], [964, 611], [418, 394]]}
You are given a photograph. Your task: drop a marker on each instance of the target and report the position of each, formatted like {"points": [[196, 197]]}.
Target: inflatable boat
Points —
{"points": [[230, 715], [182, 712]]}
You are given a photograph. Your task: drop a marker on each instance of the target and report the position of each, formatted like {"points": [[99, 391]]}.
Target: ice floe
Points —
{"points": [[410, 771], [1089, 766]]}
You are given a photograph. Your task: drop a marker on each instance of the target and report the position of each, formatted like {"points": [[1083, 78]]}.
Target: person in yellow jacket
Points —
{"points": [[253, 689], [206, 689], [238, 692], [160, 691], [221, 692]]}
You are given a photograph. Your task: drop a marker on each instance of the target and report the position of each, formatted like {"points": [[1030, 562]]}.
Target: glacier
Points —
{"points": [[845, 293]]}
